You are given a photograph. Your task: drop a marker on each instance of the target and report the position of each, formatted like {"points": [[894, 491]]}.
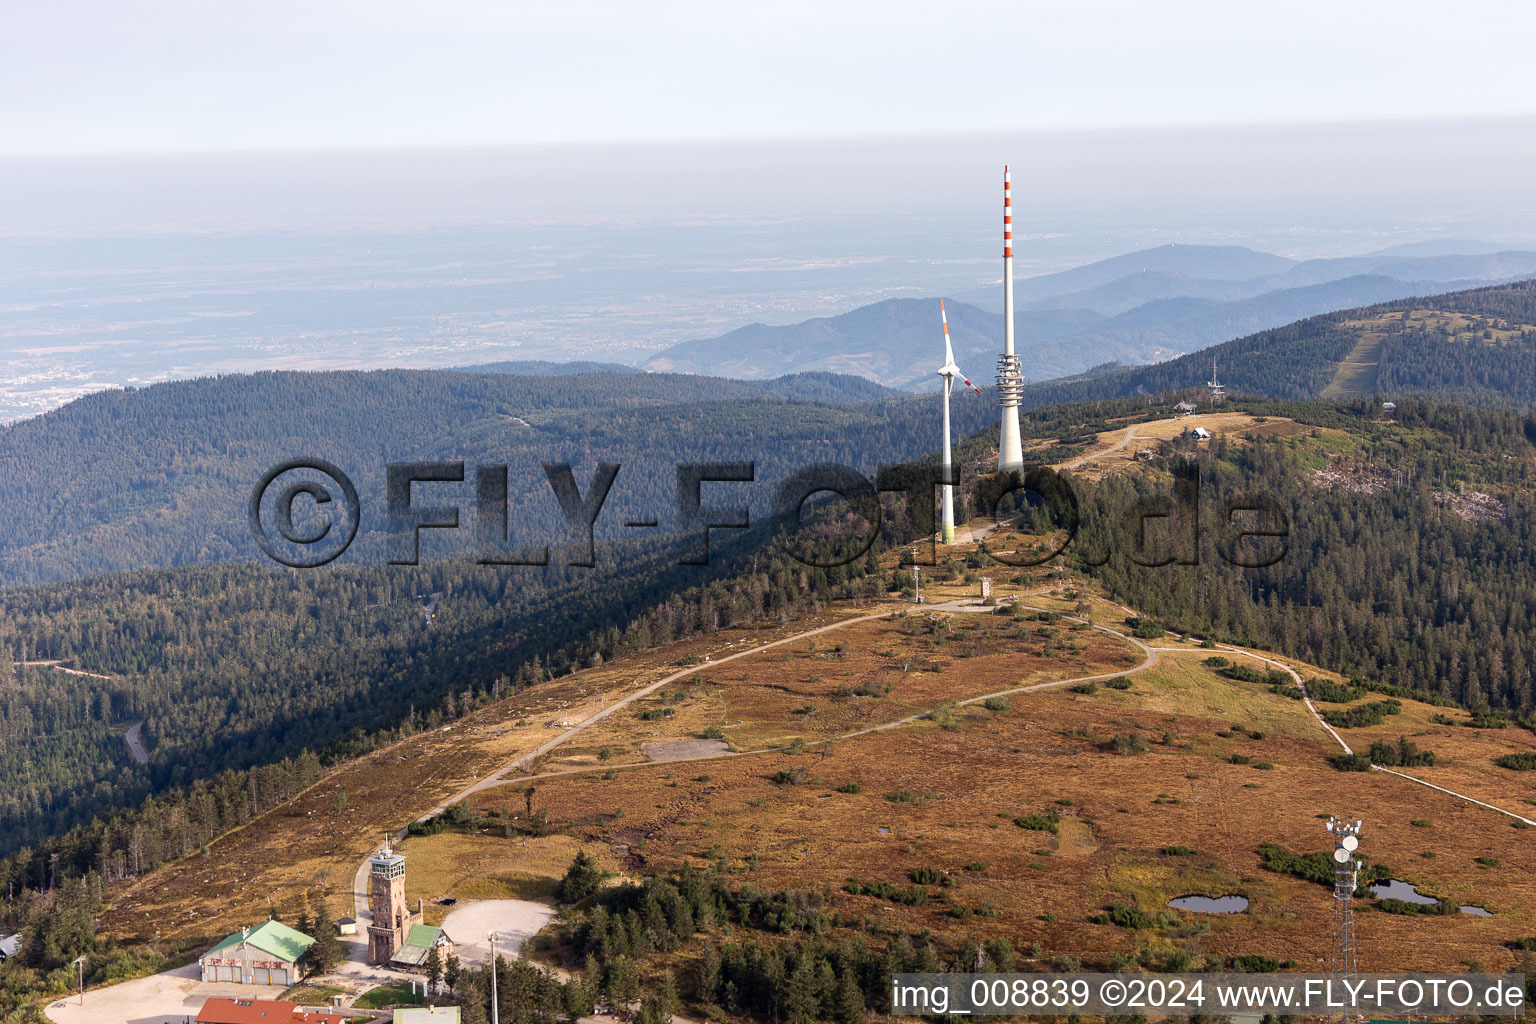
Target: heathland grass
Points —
{"points": [[966, 786], [393, 994], [486, 866], [310, 994]]}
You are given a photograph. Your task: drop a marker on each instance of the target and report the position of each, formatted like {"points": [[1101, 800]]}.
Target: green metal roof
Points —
{"points": [[272, 937], [422, 935], [418, 944]]}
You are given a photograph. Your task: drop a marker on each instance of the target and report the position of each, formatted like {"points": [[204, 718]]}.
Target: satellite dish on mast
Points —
{"points": [[1350, 842], [1341, 855]]}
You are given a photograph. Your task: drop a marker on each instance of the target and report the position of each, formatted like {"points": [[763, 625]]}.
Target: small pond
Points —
{"points": [[1210, 904], [1397, 889]]}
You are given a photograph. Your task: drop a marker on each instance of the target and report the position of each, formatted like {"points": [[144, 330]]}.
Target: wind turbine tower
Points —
{"points": [[1010, 379], [949, 371]]}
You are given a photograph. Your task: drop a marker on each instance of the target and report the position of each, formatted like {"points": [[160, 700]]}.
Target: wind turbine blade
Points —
{"points": [[968, 383], [949, 352]]}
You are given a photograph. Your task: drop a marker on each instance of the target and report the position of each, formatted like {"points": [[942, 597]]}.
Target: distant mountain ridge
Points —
{"points": [[1475, 347], [544, 368], [1139, 308], [892, 342]]}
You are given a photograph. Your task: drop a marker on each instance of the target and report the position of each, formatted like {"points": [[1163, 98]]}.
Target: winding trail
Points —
{"points": [[502, 777], [134, 737], [59, 666], [1130, 435], [952, 606], [1307, 697]]}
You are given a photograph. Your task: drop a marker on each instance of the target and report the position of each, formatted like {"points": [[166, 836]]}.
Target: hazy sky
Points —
{"points": [[125, 76]]}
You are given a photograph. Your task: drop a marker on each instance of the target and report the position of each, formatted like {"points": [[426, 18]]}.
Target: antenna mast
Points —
{"points": [[1010, 378], [1218, 390], [1346, 840]]}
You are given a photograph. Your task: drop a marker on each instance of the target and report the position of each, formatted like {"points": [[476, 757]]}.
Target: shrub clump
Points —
{"points": [[1123, 915], [1402, 754], [1363, 715], [1316, 867], [1334, 693], [1044, 821], [1440, 908]]}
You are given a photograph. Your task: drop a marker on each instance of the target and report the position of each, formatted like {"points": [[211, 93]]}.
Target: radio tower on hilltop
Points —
{"points": [[1010, 380], [1346, 840], [1216, 389]]}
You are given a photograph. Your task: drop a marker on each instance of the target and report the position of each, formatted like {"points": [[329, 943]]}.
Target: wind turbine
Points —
{"points": [[949, 371]]}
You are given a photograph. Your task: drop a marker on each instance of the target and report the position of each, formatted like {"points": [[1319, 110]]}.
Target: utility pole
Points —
{"points": [[917, 587], [495, 1008]]}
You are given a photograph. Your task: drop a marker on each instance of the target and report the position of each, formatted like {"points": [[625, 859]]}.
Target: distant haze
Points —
{"points": [[1300, 190], [124, 270]]}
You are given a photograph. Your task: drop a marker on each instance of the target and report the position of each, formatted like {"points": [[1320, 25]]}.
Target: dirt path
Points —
{"points": [[503, 778], [951, 606], [980, 528], [360, 895], [1307, 698], [58, 666], [499, 777], [1130, 435]]}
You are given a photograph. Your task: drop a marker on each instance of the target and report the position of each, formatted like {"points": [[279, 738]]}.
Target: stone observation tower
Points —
{"points": [[392, 919]]}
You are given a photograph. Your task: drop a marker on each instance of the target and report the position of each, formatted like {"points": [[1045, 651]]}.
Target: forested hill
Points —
{"points": [[160, 476], [1410, 552], [803, 387], [1475, 347]]}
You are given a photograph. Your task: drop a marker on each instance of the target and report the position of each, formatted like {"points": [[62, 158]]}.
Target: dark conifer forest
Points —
{"points": [[1408, 557], [1407, 565]]}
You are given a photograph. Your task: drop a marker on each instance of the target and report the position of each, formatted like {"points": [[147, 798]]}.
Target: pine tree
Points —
{"points": [[707, 981], [326, 952], [667, 996], [581, 880], [434, 967], [849, 999]]}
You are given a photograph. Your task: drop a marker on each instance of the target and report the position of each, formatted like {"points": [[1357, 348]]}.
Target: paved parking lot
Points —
{"points": [[513, 921], [172, 997]]}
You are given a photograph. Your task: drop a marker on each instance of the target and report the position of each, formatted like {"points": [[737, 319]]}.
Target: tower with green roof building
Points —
{"points": [[392, 918]]}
